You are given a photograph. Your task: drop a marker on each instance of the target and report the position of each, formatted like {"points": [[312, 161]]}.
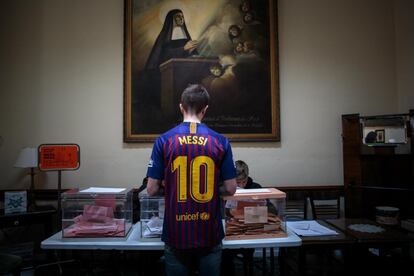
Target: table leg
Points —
{"points": [[264, 261], [347, 262], [272, 261], [281, 260], [301, 261]]}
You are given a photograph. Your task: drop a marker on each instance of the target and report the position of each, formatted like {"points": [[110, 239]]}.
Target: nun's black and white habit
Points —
{"points": [[169, 43]]}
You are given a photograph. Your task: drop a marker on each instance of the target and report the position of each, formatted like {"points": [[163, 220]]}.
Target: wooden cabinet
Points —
{"points": [[378, 162]]}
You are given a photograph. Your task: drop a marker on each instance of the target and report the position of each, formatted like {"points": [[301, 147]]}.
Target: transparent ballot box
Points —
{"points": [[255, 214], [97, 213], [151, 216]]}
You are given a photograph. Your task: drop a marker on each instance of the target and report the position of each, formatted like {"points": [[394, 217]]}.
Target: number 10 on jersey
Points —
{"points": [[199, 163]]}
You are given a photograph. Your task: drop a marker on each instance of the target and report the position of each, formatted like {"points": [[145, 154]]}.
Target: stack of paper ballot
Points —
{"points": [[309, 228]]}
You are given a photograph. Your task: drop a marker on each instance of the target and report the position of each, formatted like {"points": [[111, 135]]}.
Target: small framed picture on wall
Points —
{"points": [[380, 135]]}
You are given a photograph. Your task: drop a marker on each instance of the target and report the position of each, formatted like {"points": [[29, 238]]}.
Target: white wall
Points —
{"points": [[404, 29], [62, 81]]}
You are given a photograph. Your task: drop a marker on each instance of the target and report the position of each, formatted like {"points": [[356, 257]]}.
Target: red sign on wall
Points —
{"points": [[59, 157]]}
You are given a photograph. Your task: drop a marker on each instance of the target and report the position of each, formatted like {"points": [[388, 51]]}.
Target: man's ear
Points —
{"points": [[202, 113], [182, 109], [205, 110]]}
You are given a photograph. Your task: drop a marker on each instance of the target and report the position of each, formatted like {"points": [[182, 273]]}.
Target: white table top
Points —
{"points": [[133, 242]]}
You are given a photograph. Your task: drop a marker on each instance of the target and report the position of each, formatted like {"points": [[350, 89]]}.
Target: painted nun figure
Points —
{"points": [[174, 41]]}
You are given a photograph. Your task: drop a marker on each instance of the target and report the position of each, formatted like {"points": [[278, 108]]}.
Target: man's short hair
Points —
{"points": [[194, 98], [242, 170]]}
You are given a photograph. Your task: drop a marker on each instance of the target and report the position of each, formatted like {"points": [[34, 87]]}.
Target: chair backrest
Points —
{"points": [[325, 208], [296, 209], [324, 202], [296, 202]]}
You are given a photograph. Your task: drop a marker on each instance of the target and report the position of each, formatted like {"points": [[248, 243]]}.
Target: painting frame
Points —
{"points": [[270, 135]]}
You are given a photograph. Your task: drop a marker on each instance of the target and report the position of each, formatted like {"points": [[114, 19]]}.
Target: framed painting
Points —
{"points": [[228, 46]]}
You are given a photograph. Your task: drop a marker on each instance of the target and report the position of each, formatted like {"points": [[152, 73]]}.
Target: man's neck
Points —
{"points": [[191, 119]]}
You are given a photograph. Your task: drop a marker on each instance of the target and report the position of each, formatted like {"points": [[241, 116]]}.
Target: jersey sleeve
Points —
{"points": [[156, 163], [228, 171]]}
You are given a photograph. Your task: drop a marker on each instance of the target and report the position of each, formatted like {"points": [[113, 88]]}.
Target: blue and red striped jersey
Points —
{"points": [[192, 159]]}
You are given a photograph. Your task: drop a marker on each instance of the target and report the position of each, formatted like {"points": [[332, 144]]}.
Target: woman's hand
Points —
{"points": [[190, 46]]}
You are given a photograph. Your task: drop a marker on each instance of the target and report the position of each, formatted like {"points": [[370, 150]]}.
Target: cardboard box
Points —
{"points": [[255, 214]]}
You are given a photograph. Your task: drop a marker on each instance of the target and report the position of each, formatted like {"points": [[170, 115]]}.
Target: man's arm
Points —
{"points": [[229, 187], [228, 172], [155, 171], [153, 186]]}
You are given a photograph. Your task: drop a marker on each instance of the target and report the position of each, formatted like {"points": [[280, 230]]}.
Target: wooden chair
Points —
{"points": [[296, 210], [318, 259], [326, 207], [296, 205]]}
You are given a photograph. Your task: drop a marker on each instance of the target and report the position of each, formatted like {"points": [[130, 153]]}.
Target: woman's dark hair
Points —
{"points": [[194, 98]]}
